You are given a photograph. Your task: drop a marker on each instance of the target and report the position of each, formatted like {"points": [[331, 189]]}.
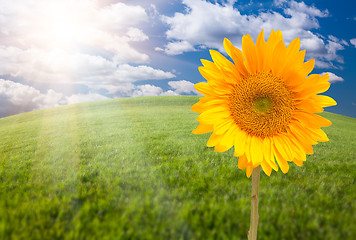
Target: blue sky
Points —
{"points": [[61, 52]]}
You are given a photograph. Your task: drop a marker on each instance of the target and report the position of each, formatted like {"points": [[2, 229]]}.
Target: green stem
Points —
{"points": [[252, 233]]}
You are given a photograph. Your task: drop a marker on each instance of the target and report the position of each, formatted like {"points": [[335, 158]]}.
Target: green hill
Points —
{"points": [[132, 169]]}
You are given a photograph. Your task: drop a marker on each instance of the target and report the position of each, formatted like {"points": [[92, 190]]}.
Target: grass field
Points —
{"points": [[132, 169]]}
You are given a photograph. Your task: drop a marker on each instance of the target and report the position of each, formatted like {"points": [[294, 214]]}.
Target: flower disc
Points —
{"points": [[262, 105]]}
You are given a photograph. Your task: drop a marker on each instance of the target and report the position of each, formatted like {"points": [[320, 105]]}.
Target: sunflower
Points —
{"points": [[264, 105]]}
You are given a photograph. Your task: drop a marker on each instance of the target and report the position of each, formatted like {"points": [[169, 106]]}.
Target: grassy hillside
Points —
{"points": [[132, 169]]}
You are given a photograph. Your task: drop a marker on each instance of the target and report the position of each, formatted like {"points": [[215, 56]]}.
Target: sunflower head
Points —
{"points": [[263, 104]]}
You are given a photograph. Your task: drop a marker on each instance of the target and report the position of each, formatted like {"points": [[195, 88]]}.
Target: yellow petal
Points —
{"points": [[300, 132], [282, 144], [267, 149], [207, 99], [282, 163], [250, 53], [297, 148], [249, 170], [248, 149], [298, 140], [274, 165], [222, 89], [308, 105], [226, 66], [298, 162], [293, 58], [308, 67], [311, 80], [242, 163], [279, 60], [210, 75], [204, 89], [211, 115], [203, 128], [229, 137], [213, 102], [298, 153], [261, 51], [240, 143], [268, 152], [256, 151], [288, 145], [294, 46], [312, 89], [236, 56], [323, 101], [213, 140], [217, 81], [318, 134], [221, 148], [274, 38], [214, 78], [266, 168], [209, 65], [207, 102], [198, 107], [223, 126], [311, 120], [292, 75]]}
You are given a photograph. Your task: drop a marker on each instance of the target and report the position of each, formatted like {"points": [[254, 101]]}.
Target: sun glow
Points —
{"points": [[62, 24]]}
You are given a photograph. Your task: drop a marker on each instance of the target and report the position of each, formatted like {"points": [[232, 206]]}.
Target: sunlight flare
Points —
{"points": [[61, 24]]}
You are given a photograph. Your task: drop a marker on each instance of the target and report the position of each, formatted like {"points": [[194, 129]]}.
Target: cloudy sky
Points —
{"points": [[57, 52]]}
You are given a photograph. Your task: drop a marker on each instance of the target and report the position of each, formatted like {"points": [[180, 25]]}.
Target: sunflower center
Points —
{"points": [[261, 104]]}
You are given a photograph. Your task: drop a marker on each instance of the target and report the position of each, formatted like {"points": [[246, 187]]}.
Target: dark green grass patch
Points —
{"points": [[132, 169]]}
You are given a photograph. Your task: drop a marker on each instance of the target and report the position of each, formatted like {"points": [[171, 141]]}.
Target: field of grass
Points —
{"points": [[132, 169]]}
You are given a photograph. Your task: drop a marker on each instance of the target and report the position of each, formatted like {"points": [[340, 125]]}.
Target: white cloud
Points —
{"points": [[196, 30], [128, 73], [342, 42], [147, 90], [136, 35], [120, 82], [301, 7], [179, 87], [17, 98], [325, 50], [333, 77], [178, 47], [59, 66], [158, 49], [182, 86], [119, 14], [169, 93], [153, 10], [279, 3], [353, 41]]}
